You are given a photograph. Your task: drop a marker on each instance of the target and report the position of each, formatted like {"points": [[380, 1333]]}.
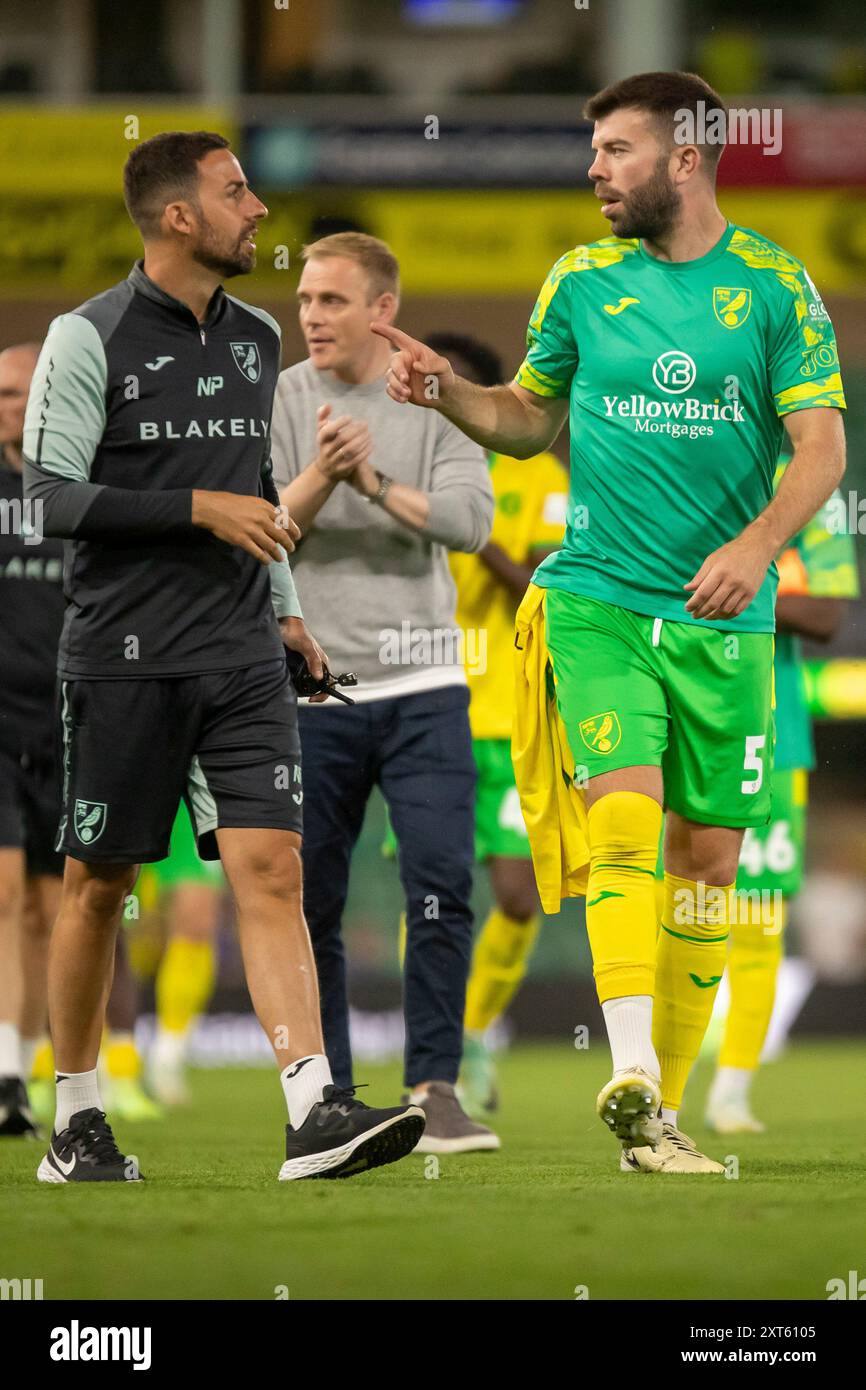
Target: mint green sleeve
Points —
{"points": [[284, 595], [65, 417], [63, 428]]}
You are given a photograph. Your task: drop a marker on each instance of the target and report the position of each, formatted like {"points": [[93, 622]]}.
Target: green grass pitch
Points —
{"points": [[548, 1214]]}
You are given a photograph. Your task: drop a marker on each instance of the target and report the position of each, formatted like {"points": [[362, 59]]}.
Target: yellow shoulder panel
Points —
{"points": [[759, 254], [595, 256]]}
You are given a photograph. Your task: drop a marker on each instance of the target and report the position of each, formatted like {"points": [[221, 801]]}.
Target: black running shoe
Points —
{"points": [[341, 1137], [16, 1117], [86, 1152]]}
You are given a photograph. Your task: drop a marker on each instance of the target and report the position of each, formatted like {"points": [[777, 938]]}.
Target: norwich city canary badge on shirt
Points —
{"points": [[247, 360], [731, 307]]}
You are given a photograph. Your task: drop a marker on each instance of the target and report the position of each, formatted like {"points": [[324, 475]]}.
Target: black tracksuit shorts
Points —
{"points": [[227, 742]]}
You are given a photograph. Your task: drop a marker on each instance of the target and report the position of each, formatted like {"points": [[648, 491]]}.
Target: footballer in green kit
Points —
{"points": [[817, 573], [681, 349]]}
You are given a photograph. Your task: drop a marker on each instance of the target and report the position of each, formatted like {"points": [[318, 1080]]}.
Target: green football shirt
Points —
{"points": [[678, 376], [820, 561]]}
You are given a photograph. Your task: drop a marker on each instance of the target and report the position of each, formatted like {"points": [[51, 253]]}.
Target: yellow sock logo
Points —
{"points": [[704, 984], [602, 895]]}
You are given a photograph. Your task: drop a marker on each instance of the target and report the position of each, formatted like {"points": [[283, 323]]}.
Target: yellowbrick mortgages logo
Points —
{"points": [[731, 307], [602, 732], [684, 417]]}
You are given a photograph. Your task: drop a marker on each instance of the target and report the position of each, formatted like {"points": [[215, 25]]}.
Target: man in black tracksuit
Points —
{"points": [[31, 614], [147, 446]]}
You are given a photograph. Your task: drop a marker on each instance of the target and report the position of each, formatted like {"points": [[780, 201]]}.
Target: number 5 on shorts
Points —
{"points": [[754, 762]]}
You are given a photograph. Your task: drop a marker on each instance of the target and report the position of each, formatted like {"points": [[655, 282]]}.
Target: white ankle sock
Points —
{"points": [[629, 1022], [731, 1084], [168, 1049], [303, 1083], [76, 1090], [10, 1050], [669, 1117], [29, 1048]]}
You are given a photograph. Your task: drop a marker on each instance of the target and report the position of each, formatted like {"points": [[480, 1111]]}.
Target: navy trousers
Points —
{"points": [[417, 749]]}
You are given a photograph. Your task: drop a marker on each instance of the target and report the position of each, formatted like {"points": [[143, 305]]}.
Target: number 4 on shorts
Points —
{"points": [[754, 762]]}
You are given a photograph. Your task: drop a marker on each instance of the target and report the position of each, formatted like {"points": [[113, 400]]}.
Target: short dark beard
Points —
{"points": [[222, 263], [652, 209]]}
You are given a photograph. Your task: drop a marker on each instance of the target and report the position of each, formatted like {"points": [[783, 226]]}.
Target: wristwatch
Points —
{"points": [[384, 484]]}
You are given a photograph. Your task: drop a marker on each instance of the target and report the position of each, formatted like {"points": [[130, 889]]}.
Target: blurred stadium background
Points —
{"points": [[452, 129]]}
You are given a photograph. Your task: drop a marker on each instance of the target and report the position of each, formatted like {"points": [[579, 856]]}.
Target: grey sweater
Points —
{"points": [[378, 596]]}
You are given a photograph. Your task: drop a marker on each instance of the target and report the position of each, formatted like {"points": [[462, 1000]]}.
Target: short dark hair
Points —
{"points": [[162, 169], [484, 361], [663, 95]]}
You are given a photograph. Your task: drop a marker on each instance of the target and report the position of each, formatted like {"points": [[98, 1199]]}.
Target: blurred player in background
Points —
{"points": [[31, 616], [644, 646], [190, 889], [381, 498], [120, 1062], [530, 498], [817, 573], [120, 1066]]}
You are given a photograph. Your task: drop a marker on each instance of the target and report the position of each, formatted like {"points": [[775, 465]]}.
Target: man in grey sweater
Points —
{"points": [[380, 499]]}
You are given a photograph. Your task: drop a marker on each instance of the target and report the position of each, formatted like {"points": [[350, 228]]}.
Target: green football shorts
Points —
{"points": [[183, 864], [499, 827], [695, 701], [772, 856]]}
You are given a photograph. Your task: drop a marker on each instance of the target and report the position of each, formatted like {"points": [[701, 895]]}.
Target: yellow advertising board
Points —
{"points": [[80, 151], [497, 243], [64, 231]]}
